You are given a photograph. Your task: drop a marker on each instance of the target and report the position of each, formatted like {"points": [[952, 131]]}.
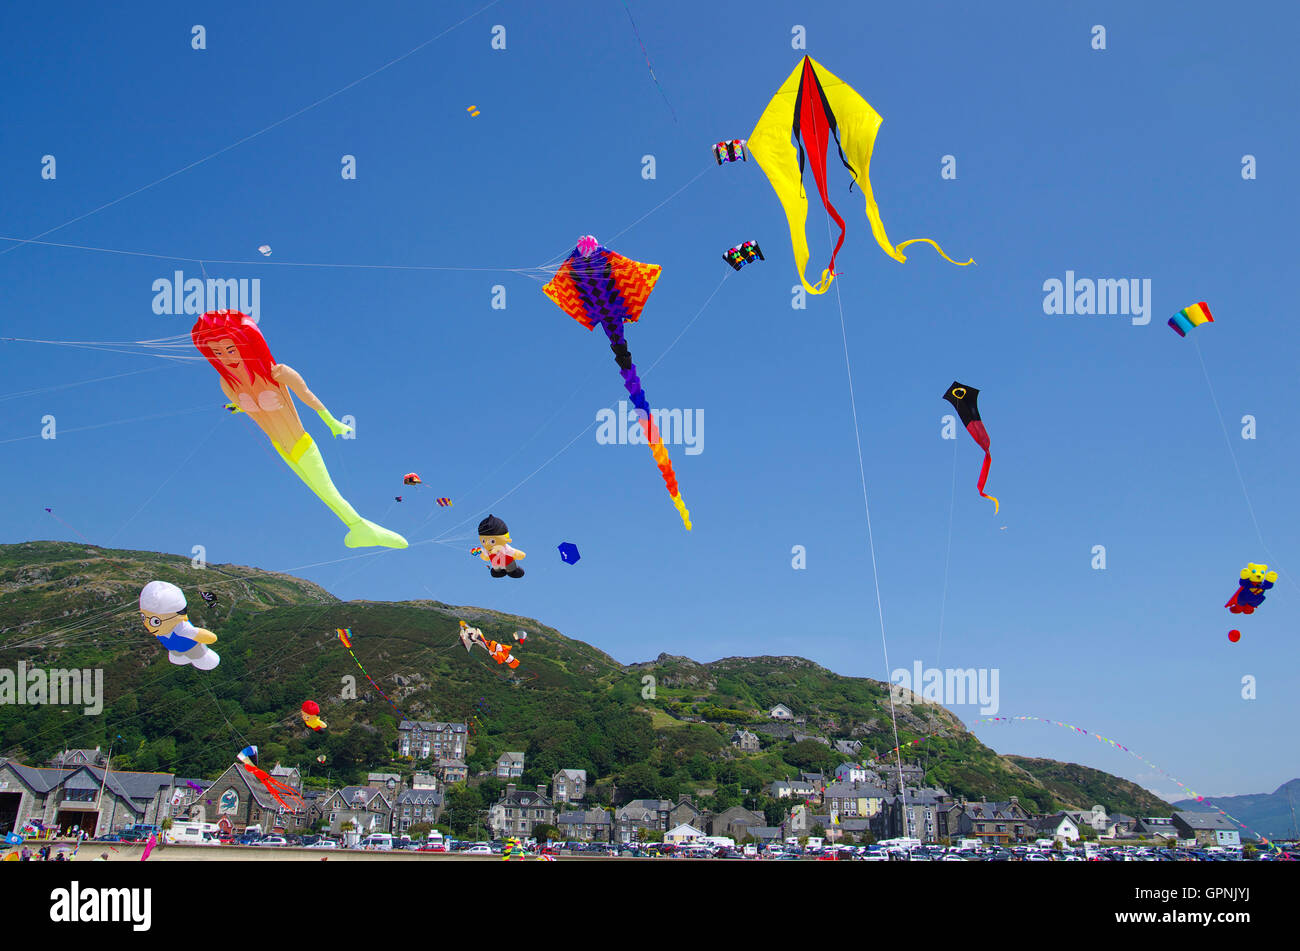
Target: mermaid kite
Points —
{"points": [[255, 384]]}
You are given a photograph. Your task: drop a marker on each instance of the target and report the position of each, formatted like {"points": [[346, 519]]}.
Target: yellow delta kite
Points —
{"points": [[812, 107]]}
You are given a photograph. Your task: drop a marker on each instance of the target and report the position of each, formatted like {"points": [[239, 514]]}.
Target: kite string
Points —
{"points": [[1232, 452], [866, 504], [248, 138], [947, 558], [1136, 755], [647, 61]]}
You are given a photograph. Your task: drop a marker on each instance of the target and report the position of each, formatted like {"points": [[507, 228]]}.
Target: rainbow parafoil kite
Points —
{"points": [[1190, 317], [597, 286], [812, 107]]}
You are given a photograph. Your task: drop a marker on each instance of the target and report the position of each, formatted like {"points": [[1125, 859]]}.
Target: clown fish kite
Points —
{"points": [[965, 400], [596, 286], [248, 756], [469, 636], [813, 107], [255, 384]]}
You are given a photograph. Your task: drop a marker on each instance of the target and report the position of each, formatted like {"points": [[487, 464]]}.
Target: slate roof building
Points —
{"points": [[569, 785], [414, 807], [431, 739], [510, 766], [586, 825], [1207, 828], [518, 812], [82, 797], [366, 808]]}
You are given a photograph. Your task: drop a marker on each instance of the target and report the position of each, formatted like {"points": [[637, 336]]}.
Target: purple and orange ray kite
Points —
{"points": [[597, 286], [965, 400]]}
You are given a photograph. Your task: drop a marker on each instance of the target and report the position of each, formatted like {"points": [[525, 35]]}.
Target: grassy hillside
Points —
{"points": [[568, 705], [1088, 787]]}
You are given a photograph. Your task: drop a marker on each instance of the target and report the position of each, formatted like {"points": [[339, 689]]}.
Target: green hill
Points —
{"points": [[569, 705]]}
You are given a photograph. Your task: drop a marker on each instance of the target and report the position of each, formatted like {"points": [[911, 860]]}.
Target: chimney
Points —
{"points": [[510, 789], [541, 789]]}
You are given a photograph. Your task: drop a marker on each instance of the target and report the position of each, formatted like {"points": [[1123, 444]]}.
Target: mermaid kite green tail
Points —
{"points": [[306, 462]]}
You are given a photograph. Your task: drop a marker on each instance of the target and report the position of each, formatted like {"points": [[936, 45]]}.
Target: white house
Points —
{"points": [[851, 773], [679, 835], [1059, 827], [781, 712]]}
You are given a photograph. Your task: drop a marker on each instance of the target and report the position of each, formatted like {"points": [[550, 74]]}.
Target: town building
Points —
{"points": [[416, 807], [569, 785], [518, 812], [510, 766], [424, 739], [1207, 828]]}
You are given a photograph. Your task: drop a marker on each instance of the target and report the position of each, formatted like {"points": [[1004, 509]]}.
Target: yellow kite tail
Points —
{"points": [[930, 241], [306, 462]]}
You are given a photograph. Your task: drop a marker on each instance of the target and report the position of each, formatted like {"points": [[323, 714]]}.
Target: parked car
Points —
{"points": [[479, 850], [322, 843], [273, 841]]}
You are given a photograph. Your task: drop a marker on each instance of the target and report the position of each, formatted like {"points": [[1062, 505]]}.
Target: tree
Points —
{"points": [[544, 832], [818, 830], [464, 809]]}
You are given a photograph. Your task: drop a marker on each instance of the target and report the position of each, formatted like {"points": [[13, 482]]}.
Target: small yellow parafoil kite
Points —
{"points": [[812, 107]]}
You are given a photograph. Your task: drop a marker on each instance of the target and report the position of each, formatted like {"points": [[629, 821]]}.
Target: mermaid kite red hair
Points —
{"points": [[239, 327]]}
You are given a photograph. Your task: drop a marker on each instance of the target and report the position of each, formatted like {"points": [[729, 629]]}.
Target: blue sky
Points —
{"points": [[1122, 163]]}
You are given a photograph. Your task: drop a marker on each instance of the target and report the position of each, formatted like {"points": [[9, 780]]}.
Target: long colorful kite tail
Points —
{"points": [[981, 437], [345, 635], [275, 787], [618, 343]]}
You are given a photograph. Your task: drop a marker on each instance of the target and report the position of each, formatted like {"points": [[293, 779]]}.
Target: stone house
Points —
{"points": [[425, 739], [82, 797], [586, 825], [452, 771], [414, 807], [736, 822], [996, 823], [569, 785], [510, 766], [745, 741], [649, 815], [367, 809], [1207, 828], [518, 812]]}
